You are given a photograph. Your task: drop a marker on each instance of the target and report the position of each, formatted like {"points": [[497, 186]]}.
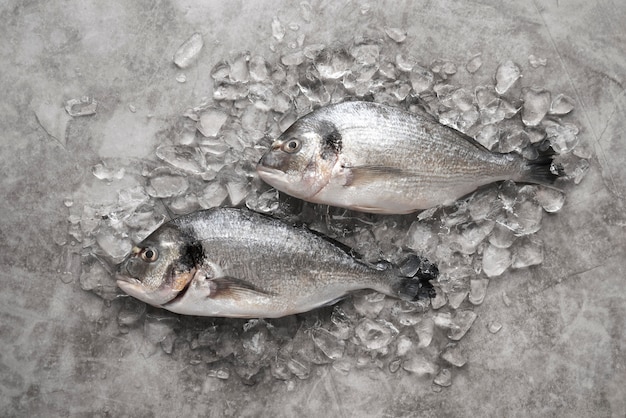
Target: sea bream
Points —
{"points": [[237, 263], [380, 159]]}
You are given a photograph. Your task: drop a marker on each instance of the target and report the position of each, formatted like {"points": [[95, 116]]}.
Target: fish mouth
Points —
{"points": [[129, 285], [263, 169]]}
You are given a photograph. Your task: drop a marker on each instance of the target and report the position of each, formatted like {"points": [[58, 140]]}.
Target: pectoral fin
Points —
{"points": [[231, 287]]}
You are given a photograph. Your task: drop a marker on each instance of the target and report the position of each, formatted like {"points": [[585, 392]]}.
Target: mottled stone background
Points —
{"points": [[561, 351]]}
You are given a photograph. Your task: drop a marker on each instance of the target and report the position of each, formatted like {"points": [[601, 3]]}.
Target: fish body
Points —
{"points": [[376, 158], [236, 263]]}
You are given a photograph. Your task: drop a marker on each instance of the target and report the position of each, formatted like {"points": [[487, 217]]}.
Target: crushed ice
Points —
{"points": [[208, 159]]}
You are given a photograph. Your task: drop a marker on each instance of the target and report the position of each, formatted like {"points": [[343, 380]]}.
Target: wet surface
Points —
{"points": [[545, 340]]}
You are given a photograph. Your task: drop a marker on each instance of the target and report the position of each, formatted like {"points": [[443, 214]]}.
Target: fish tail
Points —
{"points": [[413, 281], [543, 169]]}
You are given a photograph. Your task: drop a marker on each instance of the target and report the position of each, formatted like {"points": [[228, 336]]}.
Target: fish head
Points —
{"points": [[160, 267], [301, 161]]}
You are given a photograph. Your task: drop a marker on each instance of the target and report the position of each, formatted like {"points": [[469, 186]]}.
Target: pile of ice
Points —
{"points": [[209, 161]]}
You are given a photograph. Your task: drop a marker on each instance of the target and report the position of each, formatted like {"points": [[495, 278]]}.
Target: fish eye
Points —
{"points": [[292, 146], [149, 255]]}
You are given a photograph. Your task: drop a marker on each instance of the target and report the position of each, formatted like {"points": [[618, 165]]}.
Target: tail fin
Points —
{"points": [[414, 283], [543, 169]]}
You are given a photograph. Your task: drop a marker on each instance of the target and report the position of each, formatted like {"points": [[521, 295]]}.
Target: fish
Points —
{"points": [[229, 262], [375, 158]]}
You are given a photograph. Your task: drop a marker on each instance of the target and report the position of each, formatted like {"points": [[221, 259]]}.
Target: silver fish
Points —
{"points": [[376, 158], [237, 263]]}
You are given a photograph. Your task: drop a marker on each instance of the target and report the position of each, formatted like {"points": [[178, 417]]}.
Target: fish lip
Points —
{"points": [[260, 168]]}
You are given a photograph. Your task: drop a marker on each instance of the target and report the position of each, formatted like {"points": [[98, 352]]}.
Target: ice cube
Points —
{"points": [[496, 260], [461, 323], [463, 99], [403, 345], [536, 105], [454, 355], [494, 326], [408, 318], [157, 329], [405, 62], [230, 91], [238, 68], [502, 237], [492, 114], [84, 107], [478, 290], [258, 69], [370, 304], [563, 137], [486, 97], [507, 74], [443, 378], [515, 140], [238, 189], [474, 64], [182, 157], [254, 122], [365, 54], [211, 121], [52, 119], [333, 65], [374, 335], [525, 218], [167, 186], [448, 68], [561, 105], [483, 205], [425, 330], [113, 244], [488, 136], [278, 30], [551, 200], [267, 202], [397, 34], [102, 172], [527, 252], [420, 365], [472, 235], [132, 311], [96, 278], [306, 11], [188, 52], [315, 91], [456, 298], [213, 196], [440, 299], [312, 51], [330, 345], [292, 59], [536, 62], [221, 373]]}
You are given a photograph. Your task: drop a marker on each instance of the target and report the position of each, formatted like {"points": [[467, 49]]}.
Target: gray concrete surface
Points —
{"points": [[561, 351]]}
